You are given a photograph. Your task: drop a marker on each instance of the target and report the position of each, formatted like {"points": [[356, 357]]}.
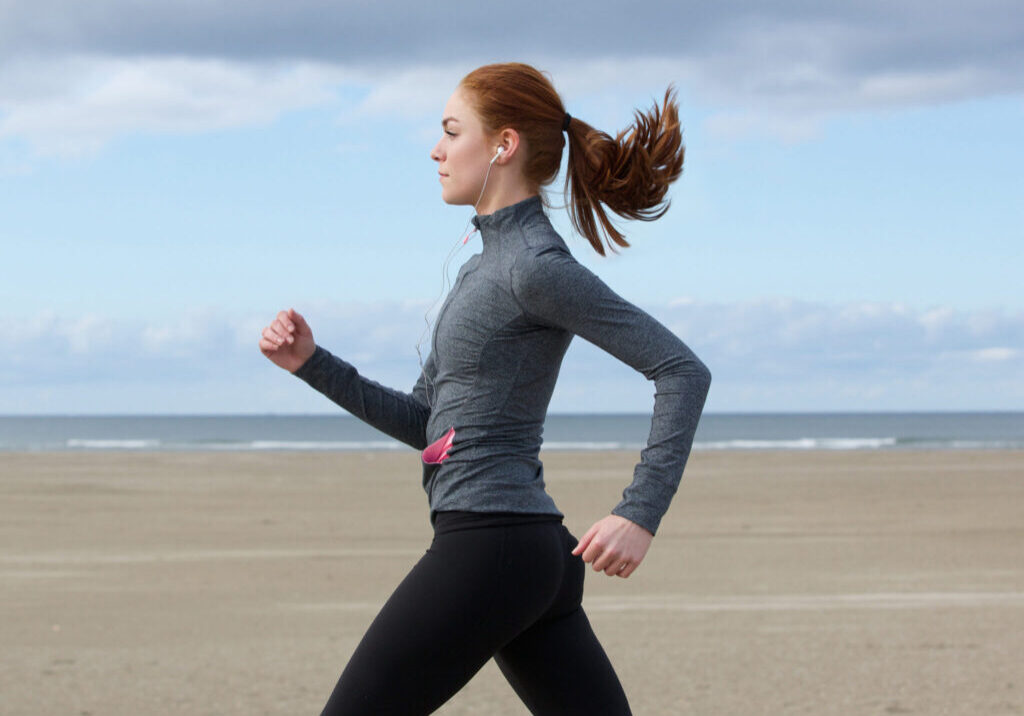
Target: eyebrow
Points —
{"points": [[446, 120]]}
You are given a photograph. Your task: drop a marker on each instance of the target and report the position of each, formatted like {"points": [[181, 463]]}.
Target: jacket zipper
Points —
{"points": [[446, 306]]}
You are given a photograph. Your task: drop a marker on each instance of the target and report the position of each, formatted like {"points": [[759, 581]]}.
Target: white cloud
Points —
{"points": [[935, 319], [732, 125], [71, 106], [411, 93], [73, 74], [995, 354], [75, 336], [776, 353]]}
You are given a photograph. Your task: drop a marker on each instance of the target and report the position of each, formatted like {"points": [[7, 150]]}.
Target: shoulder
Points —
{"points": [[546, 279], [538, 264], [540, 244]]}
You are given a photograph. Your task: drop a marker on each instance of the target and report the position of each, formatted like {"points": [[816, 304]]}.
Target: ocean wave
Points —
{"points": [[589, 445], [562, 442], [321, 445], [798, 444], [928, 444], [113, 444]]}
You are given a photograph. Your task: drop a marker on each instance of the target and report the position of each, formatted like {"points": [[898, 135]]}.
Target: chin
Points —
{"points": [[454, 200]]}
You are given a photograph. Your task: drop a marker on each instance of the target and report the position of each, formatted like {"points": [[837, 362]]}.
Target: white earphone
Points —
{"points": [[501, 150]]}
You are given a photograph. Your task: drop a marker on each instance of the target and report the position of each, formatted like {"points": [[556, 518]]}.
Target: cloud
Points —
{"points": [[80, 102], [996, 354], [810, 37], [74, 74], [868, 337], [770, 354]]}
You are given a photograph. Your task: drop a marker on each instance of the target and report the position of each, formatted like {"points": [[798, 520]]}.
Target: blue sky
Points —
{"points": [[846, 234]]}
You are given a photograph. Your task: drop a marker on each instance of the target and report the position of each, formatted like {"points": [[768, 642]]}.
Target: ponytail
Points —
{"points": [[629, 174]]}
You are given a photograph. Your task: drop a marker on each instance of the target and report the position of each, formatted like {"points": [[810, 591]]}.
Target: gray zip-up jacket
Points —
{"points": [[477, 410]]}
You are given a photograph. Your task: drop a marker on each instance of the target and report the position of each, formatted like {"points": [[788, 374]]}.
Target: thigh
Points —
{"points": [[557, 665], [438, 628]]}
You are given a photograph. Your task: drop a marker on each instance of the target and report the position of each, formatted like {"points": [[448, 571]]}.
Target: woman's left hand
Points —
{"points": [[615, 545]]}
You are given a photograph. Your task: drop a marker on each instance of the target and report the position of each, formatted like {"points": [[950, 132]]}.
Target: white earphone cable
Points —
{"points": [[445, 280]]}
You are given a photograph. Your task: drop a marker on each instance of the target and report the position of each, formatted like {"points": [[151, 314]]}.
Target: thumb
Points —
{"points": [[300, 322], [584, 541]]}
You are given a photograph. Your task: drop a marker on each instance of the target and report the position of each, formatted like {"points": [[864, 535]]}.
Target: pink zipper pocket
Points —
{"points": [[437, 451]]}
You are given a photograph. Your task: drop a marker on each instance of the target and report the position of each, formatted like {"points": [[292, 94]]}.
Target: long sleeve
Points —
{"points": [[400, 415], [555, 289]]}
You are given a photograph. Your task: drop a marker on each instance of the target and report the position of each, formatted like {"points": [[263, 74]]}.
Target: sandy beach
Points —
{"points": [[874, 582]]}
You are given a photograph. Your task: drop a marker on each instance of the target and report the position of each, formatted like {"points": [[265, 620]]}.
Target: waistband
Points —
{"points": [[452, 520]]}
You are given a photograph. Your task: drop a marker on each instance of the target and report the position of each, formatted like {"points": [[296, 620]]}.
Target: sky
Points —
{"points": [[846, 235]]}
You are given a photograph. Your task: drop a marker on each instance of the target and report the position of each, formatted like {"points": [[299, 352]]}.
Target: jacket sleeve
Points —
{"points": [[403, 416], [555, 289]]}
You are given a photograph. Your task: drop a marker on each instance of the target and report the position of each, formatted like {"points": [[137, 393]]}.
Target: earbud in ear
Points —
{"points": [[501, 150]]}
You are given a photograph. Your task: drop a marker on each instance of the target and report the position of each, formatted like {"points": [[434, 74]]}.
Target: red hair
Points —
{"points": [[629, 174]]}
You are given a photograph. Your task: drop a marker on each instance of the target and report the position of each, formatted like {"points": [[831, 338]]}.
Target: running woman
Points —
{"points": [[503, 577]]}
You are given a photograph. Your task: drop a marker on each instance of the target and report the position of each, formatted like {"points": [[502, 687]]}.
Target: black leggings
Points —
{"points": [[511, 591]]}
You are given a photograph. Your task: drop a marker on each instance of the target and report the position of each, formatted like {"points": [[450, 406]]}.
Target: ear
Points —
{"points": [[509, 139]]}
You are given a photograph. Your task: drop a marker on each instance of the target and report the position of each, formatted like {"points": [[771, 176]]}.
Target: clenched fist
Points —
{"points": [[288, 341], [614, 545]]}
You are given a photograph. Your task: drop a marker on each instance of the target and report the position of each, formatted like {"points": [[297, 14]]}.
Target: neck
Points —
{"points": [[498, 225], [502, 191]]}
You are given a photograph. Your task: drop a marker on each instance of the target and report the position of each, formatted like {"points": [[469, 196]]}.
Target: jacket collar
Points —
{"points": [[508, 218]]}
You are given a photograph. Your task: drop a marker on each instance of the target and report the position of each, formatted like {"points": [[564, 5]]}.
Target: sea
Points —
{"points": [[717, 431]]}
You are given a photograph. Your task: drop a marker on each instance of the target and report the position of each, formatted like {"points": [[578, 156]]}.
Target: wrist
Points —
{"points": [[637, 518], [307, 362]]}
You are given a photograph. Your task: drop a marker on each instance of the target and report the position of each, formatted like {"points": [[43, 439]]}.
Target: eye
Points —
{"points": [[449, 133]]}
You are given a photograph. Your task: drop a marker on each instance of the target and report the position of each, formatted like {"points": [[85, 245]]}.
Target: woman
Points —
{"points": [[503, 577]]}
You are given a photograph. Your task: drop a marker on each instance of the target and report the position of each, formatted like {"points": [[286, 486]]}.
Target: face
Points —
{"points": [[463, 153]]}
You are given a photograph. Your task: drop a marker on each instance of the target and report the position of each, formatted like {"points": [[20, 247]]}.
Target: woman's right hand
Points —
{"points": [[288, 341]]}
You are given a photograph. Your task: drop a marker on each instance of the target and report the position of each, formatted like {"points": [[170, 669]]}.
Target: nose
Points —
{"points": [[435, 153]]}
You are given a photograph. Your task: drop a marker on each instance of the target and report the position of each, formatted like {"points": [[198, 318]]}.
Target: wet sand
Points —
{"points": [[779, 582]]}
